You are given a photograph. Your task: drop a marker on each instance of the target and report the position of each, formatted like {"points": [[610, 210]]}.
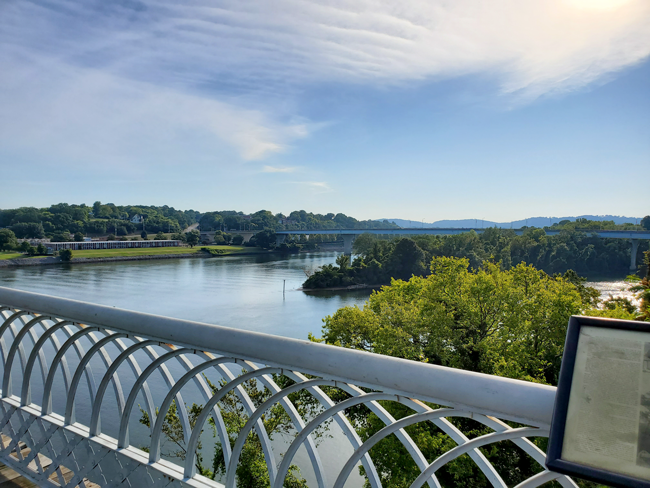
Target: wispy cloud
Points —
{"points": [[87, 115], [283, 169], [316, 186], [241, 47], [135, 78]]}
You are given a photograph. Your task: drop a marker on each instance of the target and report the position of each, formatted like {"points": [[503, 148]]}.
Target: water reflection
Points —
{"points": [[244, 292]]}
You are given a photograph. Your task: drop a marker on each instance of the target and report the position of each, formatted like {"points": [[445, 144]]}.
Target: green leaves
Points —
{"points": [[509, 322], [506, 322]]}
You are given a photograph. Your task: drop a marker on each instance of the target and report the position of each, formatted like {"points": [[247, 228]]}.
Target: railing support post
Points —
{"points": [[633, 253]]}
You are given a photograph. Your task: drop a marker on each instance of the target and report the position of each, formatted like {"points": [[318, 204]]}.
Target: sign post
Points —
{"points": [[601, 422]]}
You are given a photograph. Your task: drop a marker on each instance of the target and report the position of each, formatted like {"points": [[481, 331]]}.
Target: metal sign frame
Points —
{"points": [[554, 460]]}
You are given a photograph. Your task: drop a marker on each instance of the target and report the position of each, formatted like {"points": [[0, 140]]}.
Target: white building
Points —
{"points": [[80, 246]]}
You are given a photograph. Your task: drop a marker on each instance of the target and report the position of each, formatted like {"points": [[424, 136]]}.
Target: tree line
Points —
{"points": [[296, 220], [100, 219], [379, 259]]}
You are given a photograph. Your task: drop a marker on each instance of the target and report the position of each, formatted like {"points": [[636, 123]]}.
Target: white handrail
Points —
{"points": [[515, 400]]}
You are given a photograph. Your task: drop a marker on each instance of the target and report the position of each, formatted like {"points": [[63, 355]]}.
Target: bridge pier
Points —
{"points": [[348, 239], [279, 239], [633, 253]]}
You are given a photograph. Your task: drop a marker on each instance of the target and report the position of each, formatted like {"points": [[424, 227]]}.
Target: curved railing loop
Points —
{"points": [[46, 446], [46, 403]]}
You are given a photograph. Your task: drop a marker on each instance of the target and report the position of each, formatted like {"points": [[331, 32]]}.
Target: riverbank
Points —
{"points": [[118, 255], [343, 288]]}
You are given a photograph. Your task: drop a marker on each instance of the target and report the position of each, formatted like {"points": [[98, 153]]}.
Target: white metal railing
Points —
{"points": [[51, 345]]}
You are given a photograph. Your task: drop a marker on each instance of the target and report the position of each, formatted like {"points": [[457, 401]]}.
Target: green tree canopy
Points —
{"points": [[7, 239], [61, 237], [65, 255], [510, 323], [505, 322], [264, 239], [192, 238], [645, 222], [28, 230]]}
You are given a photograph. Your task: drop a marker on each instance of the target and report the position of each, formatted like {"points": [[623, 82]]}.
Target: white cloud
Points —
{"points": [[138, 78], [316, 186], [274, 169], [534, 46], [88, 115]]}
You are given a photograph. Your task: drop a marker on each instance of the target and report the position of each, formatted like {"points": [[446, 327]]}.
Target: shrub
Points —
{"points": [[65, 255]]}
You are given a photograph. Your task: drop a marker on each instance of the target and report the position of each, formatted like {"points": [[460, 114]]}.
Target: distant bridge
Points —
{"points": [[350, 234]]}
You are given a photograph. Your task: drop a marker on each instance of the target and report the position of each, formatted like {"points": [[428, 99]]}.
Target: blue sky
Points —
{"points": [[412, 109]]}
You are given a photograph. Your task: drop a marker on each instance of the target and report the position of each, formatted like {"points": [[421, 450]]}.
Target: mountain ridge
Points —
{"points": [[515, 224]]}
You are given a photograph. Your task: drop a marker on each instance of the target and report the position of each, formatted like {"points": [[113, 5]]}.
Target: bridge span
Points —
{"points": [[350, 234]]}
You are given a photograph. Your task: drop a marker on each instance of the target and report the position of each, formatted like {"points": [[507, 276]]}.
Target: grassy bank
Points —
{"points": [[154, 251], [12, 255]]}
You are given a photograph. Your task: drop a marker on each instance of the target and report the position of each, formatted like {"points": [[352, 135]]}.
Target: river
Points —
{"points": [[245, 292]]}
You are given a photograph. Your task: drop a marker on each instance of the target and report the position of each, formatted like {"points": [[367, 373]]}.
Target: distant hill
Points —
{"points": [[531, 222]]}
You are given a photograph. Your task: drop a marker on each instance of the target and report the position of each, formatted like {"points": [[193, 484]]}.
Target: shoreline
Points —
{"points": [[342, 288], [48, 261]]}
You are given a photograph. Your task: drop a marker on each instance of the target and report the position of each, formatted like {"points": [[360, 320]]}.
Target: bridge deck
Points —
{"points": [[10, 479]]}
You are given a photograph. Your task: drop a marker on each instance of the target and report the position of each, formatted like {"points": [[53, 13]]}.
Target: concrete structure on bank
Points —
{"points": [[349, 235], [81, 246]]}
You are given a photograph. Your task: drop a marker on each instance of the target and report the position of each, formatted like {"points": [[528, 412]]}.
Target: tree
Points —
{"points": [[219, 238], [363, 243], [641, 288], [144, 234], [61, 237], [237, 240], [192, 238], [110, 237], [252, 471], [343, 261], [65, 255], [406, 260], [160, 236], [645, 222], [506, 322], [179, 236], [78, 237], [41, 250], [28, 230], [24, 246], [264, 239], [8, 240]]}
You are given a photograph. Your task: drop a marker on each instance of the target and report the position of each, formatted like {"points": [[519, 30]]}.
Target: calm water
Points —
{"points": [[244, 292]]}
